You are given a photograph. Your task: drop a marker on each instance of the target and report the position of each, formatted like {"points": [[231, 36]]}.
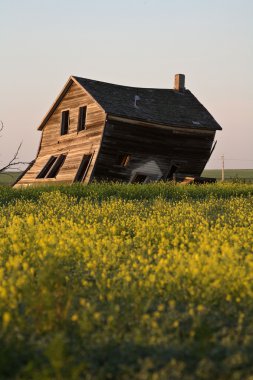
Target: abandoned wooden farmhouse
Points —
{"points": [[103, 131]]}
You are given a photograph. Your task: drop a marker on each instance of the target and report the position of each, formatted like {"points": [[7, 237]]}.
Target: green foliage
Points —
{"points": [[7, 178], [126, 282]]}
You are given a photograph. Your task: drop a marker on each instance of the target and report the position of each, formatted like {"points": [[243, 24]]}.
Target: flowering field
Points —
{"points": [[127, 282]]}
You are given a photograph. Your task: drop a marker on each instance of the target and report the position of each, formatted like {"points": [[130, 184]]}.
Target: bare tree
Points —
{"points": [[14, 162]]}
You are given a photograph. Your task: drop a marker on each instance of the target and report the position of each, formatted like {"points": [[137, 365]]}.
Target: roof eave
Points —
{"points": [[55, 104], [112, 116]]}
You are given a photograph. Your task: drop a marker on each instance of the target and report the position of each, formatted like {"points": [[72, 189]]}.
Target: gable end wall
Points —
{"points": [[74, 144]]}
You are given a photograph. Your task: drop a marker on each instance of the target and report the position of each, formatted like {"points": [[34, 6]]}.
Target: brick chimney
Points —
{"points": [[179, 82]]}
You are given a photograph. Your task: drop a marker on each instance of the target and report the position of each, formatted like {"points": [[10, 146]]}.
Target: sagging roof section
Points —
{"points": [[164, 106], [161, 106]]}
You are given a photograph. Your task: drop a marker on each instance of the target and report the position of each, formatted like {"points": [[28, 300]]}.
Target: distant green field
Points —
{"points": [[230, 174], [8, 178]]}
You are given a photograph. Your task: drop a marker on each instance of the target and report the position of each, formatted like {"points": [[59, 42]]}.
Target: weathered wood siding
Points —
{"points": [[74, 144], [153, 150]]}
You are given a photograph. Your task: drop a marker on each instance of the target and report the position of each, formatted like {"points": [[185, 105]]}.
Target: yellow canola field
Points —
{"points": [[116, 288]]}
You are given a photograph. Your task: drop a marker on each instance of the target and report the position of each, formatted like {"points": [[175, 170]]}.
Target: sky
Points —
{"points": [[131, 42]]}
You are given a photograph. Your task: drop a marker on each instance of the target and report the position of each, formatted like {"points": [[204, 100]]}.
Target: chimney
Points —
{"points": [[179, 82]]}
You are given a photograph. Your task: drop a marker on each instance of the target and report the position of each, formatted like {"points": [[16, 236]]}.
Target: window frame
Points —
{"points": [[54, 170], [65, 127], [44, 171], [82, 169], [81, 124], [52, 167], [123, 159], [139, 174]]}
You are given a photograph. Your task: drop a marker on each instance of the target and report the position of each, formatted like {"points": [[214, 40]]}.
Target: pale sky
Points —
{"points": [[130, 42]]}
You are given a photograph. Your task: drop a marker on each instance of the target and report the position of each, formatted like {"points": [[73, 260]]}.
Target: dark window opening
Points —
{"points": [[56, 166], [123, 159], [47, 167], [83, 168], [139, 178], [64, 122], [172, 172], [81, 119]]}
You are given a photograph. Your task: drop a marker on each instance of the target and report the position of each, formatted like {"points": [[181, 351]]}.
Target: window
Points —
{"points": [[64, 122], [82, 118], [47, 167], [83, 168], [52, 167], [56, 166], [123, 159], [139, 178]]}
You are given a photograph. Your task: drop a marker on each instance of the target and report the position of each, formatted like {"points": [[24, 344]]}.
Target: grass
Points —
{"points": [[244, 175], [231, 174], [8, 178], [113, 281]]}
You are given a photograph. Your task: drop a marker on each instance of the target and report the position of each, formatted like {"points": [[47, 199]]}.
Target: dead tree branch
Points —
{"points": [[14, 161]]}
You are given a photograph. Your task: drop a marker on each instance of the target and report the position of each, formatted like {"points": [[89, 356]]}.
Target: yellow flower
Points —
{"points": [[6, 319], [74, 317]]}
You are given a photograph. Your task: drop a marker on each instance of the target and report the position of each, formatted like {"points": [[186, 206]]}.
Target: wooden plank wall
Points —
{"points": [[74, 144], [153, 150]]}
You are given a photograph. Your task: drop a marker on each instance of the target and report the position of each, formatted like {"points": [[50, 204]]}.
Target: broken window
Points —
{"points": [[123, 159], [82, 118], [83, 168], [139, 178], [56, 166], [64, 122], [52, 167], [47, 167]]}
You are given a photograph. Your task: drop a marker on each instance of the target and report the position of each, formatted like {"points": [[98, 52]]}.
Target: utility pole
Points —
{"points": [[222, 168]]}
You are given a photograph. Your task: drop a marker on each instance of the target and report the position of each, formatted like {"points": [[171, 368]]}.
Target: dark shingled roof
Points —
{"points": [[161, 106]]}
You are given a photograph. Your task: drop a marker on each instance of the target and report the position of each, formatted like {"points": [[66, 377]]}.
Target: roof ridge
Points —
{"points": [[125, 86]]}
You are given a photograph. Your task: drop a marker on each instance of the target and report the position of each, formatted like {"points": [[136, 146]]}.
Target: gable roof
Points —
{"points": [[161, 106]]}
